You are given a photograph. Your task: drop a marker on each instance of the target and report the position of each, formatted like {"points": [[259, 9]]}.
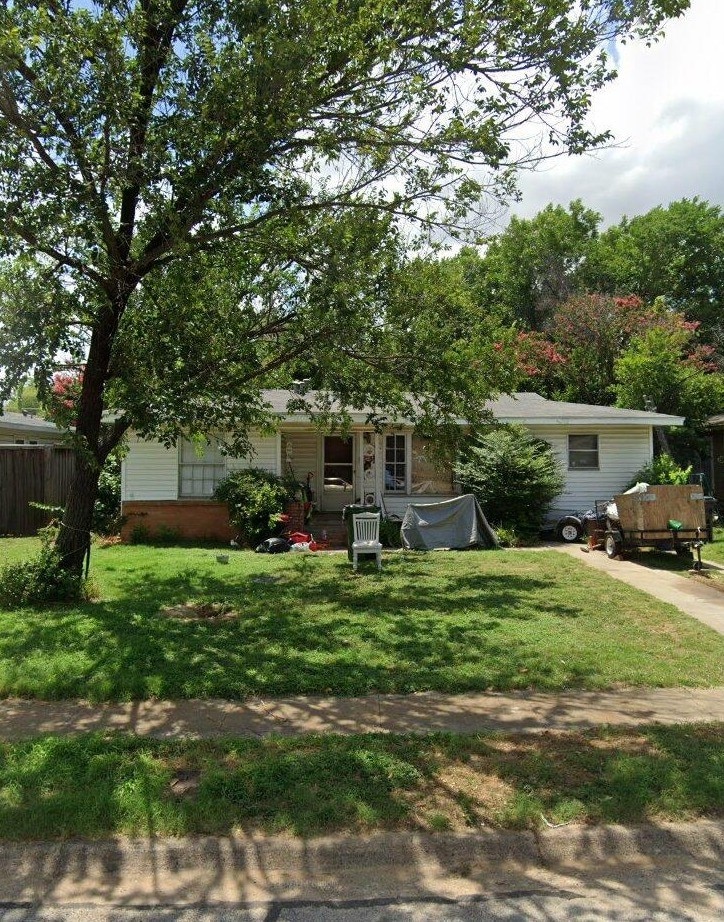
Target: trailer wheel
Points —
{"points": [[612, 547], [569, 530]]}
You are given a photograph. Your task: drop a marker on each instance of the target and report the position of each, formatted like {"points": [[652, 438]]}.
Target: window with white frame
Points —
{"points": [[396, 463], [200, 470], [583, 453]]}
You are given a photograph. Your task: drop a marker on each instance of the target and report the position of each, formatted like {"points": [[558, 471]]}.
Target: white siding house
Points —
{"points": [[149, 471], [622, 451], [599, 449]]}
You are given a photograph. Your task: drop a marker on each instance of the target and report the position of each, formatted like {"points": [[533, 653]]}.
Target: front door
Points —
{"points": [[338, 486]]}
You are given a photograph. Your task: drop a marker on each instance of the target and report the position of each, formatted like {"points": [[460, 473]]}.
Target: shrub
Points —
{"points": [[256, 499], [107, 509], [140, 534], [514, 476], [662, 470], [166, 534], [41, 580], [508, 536]]}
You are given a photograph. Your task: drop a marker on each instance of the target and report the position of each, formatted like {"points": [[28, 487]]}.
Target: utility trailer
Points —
{"points": [[668, 518]]}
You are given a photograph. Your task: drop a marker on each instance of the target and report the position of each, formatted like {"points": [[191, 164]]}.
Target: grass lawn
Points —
{"points": [[715, 550], [98, 785], [308, 625]]}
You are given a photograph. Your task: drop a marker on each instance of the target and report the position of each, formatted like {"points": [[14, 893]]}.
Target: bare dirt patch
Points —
{"points": [[712, 578], [185, 782], [200, 611]]}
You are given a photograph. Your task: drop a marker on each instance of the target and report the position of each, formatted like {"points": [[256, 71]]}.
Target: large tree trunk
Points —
{"points": [[92, 448], [74, 535], [662, 439]]}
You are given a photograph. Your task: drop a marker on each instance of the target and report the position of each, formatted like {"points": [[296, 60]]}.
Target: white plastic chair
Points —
{"points": [[367, 537]]}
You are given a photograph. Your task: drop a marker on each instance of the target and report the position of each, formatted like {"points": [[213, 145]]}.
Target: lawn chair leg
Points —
{"points": [[354, 560]]}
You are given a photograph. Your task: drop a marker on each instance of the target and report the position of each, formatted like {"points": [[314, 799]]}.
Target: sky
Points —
{"points": [[666, 109]]}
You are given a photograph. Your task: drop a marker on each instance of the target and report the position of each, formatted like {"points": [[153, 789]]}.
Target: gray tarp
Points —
{"points": [[455, 523]]}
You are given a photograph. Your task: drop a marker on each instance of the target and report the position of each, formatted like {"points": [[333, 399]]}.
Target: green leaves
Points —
{"points": [[514, 476], [203, 198], [662, 369]]}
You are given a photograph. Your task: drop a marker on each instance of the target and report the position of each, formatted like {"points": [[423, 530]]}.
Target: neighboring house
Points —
{"points": [[600, 449], [21, 429]]}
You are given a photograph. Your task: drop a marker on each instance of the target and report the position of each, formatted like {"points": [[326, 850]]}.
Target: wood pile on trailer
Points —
{"points": [[667, 517]]}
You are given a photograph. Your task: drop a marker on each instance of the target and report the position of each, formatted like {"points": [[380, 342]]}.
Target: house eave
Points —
{"points": [[655, 419], [29, 428]]}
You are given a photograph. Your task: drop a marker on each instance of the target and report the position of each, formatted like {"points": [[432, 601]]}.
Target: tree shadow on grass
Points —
{"points": [[310, 632], [99, 784]]}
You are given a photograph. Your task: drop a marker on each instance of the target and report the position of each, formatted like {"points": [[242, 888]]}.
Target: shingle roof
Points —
{"points": [[524, 407], [529, 406], [24, 423]]}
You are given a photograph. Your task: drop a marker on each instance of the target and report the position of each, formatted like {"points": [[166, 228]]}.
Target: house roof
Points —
{"points": [[19, 422], [522, 407], [528, 407], [716, 421]]}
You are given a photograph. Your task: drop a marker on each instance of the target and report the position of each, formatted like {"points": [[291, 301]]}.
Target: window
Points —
{"points": [[583, 452], [200, 472], [395, 464], [429, 474]]}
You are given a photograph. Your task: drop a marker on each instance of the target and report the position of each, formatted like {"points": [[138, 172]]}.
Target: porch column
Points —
{"points": [[280, 469], [379, 465]]}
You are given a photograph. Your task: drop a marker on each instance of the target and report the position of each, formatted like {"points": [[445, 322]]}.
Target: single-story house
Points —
{"points": [[23, 429], [600, 449]]}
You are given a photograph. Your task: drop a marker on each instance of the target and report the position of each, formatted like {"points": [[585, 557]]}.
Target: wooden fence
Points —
{"points": [[32, 474]]}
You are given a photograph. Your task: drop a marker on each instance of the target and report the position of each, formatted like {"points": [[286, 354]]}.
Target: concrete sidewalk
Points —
{"points": [[688, 595], [418, 713]]}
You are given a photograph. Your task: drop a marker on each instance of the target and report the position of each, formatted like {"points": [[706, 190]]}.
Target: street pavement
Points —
{"points": [[638, 896]]}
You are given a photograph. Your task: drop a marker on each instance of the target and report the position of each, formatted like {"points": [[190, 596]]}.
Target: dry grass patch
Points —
{"points": [[100, 785]]}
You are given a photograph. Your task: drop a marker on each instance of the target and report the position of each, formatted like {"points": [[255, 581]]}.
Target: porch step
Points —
{"points": [[332, 525]]}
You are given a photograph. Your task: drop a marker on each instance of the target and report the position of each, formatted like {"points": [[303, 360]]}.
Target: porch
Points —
{"points": [[390, 469]]}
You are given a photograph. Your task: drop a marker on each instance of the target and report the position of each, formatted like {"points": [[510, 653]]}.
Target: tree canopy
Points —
{"points": [[197, 193], [675, 253], [629, 315], [533, 266]]}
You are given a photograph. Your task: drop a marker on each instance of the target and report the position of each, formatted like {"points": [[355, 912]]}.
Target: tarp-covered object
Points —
{"points": [[456, 523]]}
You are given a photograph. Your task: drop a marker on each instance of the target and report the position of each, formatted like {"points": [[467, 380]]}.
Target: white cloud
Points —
{"points": [[666, 110]]}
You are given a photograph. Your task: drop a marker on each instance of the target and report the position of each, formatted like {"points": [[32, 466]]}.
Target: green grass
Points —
{"points": [[715, 550], [98, 785], [444, 621]]}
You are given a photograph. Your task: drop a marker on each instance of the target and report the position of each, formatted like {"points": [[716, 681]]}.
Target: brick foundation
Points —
{"points": [[296, 522], [187, 518]]}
